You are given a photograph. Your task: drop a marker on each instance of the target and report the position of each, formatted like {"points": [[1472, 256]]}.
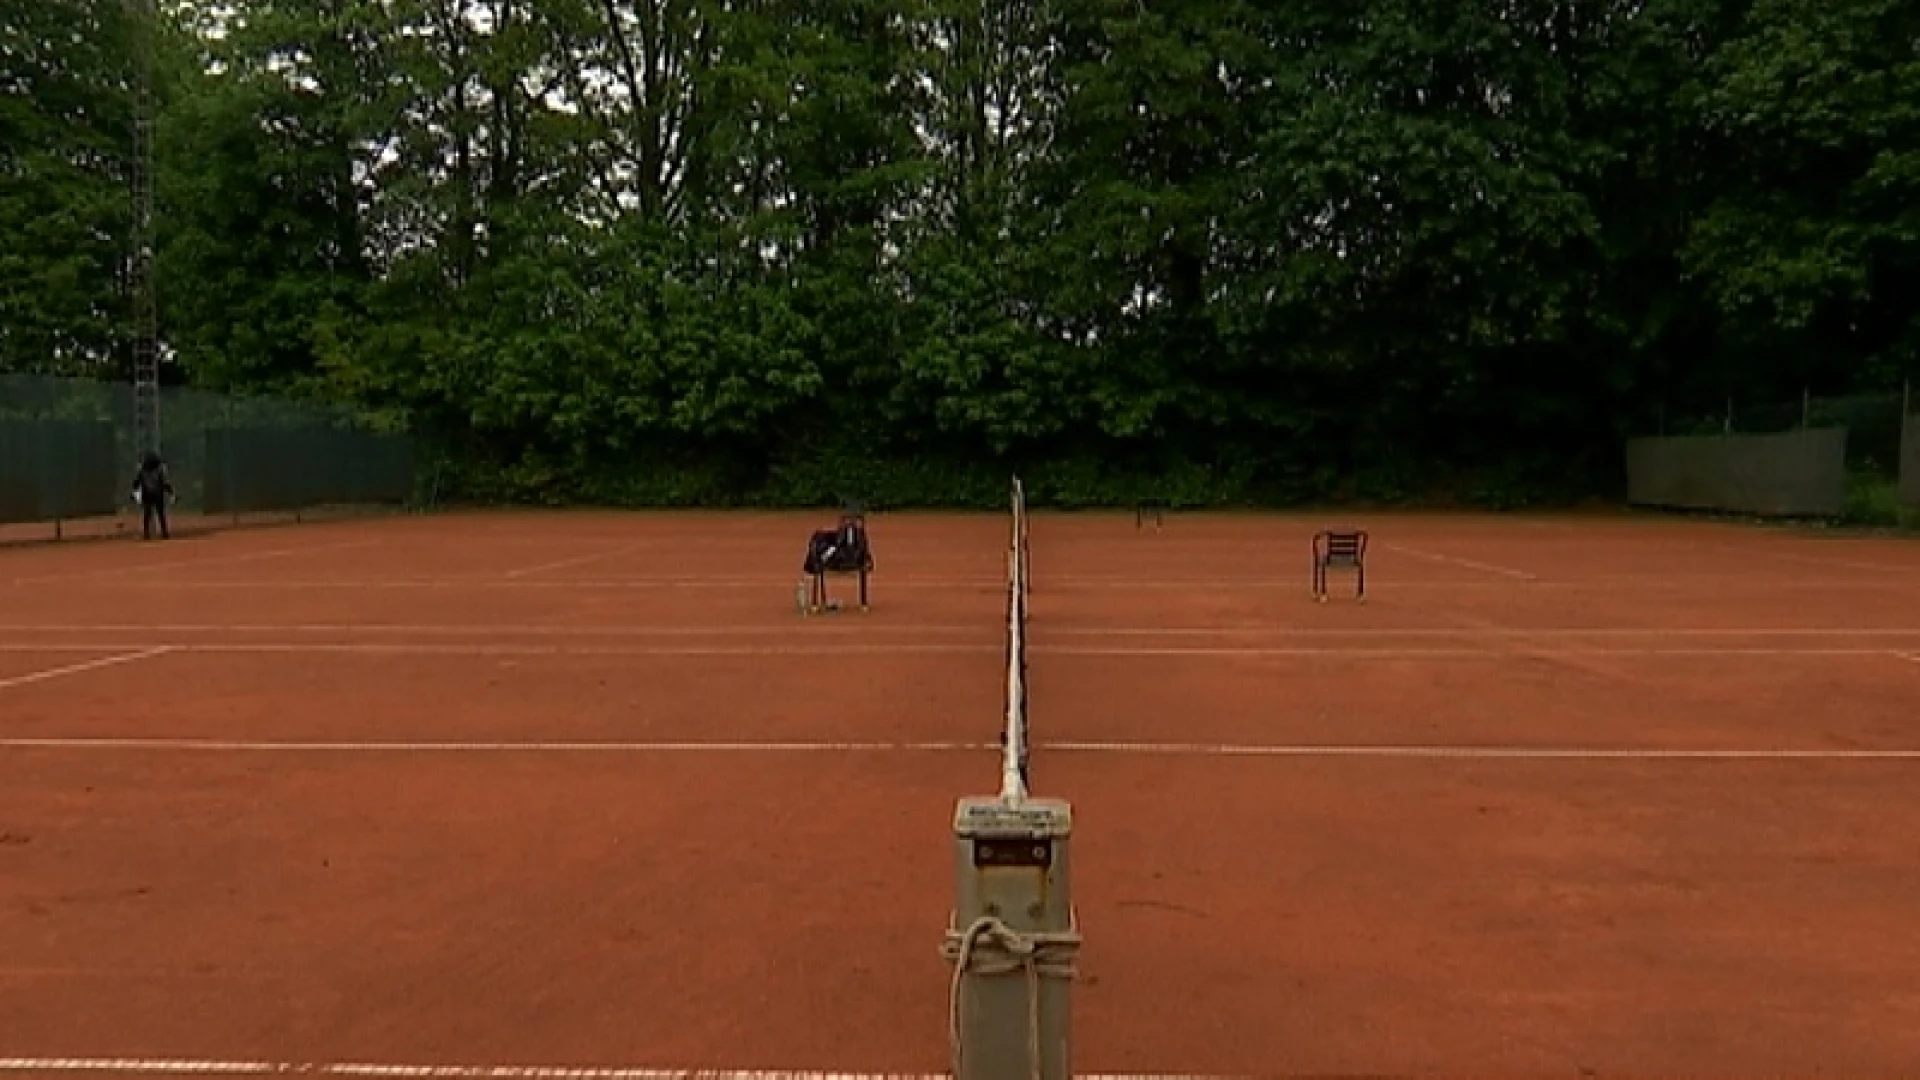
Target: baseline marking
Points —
{"points": [[85, 666], [1489, 568], [1153, 749]]}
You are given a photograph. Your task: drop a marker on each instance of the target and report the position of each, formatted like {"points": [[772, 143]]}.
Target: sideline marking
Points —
{"points": [[84, 666]]}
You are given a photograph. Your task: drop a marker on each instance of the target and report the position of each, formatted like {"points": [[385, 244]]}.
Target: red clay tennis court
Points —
{"points": [[517, 794]]}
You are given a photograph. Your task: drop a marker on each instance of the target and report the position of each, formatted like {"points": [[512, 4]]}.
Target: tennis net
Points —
{"points": [[1013, 742]]}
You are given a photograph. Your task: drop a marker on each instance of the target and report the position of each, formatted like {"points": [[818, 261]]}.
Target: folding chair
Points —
{"points": [[842, 549], [1339, 549]]}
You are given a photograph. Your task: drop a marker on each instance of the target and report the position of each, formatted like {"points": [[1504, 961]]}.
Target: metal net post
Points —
{"points": [[1013, 940]]}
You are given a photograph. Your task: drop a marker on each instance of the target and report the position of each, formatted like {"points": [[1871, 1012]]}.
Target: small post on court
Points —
{"points": [[1013, 940]]}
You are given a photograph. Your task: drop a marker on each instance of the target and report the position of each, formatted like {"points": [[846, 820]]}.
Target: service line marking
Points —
{"points": [[866, 627], [176, 1067], [315, 648], [1452, 560], [823, 626], [480, 649], [1157, 749], [577, 560], [1074, 584]]}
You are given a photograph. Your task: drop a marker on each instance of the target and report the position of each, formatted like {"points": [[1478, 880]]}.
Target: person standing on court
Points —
{"points": [[152, 488]]}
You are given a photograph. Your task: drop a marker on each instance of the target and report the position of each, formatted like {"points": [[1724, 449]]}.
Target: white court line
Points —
{"points": [[1446, 652], [494, 630], [1118, 581], [477, 650], [257, 746], [1467, 631], [867, 627], [1149, 749], [89, 665], [1492, 753], [402, 649], [178, 1067], [134, 571], [1814, 560], [776, 585], [578, 560], [1430, 556]]}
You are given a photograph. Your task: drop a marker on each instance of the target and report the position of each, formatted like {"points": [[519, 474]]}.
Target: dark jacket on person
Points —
{"points": [[151, 481]]}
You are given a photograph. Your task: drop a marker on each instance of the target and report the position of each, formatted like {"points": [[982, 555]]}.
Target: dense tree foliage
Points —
{"points": [[711, 250]]}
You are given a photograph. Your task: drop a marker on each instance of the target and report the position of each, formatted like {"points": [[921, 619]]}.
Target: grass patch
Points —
{"points": [[1874, 502]]}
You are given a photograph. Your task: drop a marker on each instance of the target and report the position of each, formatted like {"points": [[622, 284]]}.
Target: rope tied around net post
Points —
{"points": [[989, 946]]}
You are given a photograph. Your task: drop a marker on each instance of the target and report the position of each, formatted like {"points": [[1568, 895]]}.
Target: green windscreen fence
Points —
{"points": [[1910, 462], [67, 450], [52, 470], [251, 469]]}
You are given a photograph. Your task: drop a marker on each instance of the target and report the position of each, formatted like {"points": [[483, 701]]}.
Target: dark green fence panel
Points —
{"points": [[1910, 461], [52, 470], [251, 469]]}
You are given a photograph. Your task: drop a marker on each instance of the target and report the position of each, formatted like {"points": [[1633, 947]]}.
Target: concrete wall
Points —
{"points": [[1793, 474], [1910, 461]]}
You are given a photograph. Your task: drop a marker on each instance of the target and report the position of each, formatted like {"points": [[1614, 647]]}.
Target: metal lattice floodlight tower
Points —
{"points": [[143, 18]]}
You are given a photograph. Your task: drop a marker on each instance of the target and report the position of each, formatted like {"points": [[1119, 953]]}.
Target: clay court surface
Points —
{"points": [[1568, 797]]}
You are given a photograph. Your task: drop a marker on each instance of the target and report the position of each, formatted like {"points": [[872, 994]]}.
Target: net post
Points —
{"points": [[1013, 940]]}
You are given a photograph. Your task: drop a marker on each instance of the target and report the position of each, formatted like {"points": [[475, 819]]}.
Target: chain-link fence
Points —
{"points": [[68, 451], [1882, 441], [1873, 423]]}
